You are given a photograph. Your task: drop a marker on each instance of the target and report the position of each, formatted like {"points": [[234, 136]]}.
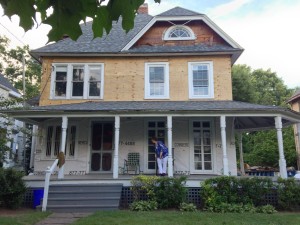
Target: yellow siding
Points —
{"points": [[124, 77]]}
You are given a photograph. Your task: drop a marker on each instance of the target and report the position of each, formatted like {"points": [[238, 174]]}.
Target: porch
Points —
{"points": [[38, 181]]}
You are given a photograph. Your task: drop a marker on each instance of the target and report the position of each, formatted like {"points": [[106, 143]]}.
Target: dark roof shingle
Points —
{"points": [[157, 106], [5, 82], [178, 11]]}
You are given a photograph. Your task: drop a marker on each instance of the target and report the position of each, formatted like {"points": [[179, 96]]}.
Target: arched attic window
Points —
{"points": [[179, 32]]}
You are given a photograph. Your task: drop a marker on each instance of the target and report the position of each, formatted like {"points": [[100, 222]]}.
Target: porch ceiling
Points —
{"points": [[247, 116]]}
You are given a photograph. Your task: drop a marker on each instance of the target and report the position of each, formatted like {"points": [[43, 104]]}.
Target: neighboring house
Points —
{"points": [[11, 126], [294, 101], [170, 77]]}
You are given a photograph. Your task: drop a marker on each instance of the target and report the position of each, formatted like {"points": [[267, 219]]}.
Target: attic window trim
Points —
{"points": [[185, 28]]}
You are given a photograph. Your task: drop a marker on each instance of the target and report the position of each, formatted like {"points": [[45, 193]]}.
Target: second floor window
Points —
{"points": [[179, 32], [81, 81], [156, 80], [201, 80]]}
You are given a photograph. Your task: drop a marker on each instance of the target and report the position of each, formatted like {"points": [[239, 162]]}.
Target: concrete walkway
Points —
{"points": [[62, 218]]}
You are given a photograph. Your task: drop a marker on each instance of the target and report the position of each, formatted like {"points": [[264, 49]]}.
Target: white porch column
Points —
{"points": [[170, 156], [64, 126], [241, 153], [282, 162], [33, 145], [116, 152], [224, 145]]}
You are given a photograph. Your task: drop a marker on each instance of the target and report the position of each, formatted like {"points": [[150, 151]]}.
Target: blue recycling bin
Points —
{"points": [[38, 194]]}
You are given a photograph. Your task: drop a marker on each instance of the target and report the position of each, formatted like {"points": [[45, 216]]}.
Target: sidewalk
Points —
{"points": [[62, 218]]}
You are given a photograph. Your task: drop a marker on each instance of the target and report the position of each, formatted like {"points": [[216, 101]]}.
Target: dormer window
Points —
{"points": [[179, 32]]}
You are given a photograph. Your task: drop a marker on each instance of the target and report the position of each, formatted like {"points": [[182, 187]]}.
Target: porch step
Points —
{"points": [[83, 197]]}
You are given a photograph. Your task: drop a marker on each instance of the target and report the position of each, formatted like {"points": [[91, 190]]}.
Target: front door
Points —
{"points": [[201, 157], [101, 146]]}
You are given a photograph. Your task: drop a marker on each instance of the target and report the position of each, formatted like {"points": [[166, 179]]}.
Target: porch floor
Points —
{"points": [[38, 180]]}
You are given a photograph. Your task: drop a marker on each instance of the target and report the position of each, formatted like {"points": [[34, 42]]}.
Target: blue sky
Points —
{"points": [[268, 30]]}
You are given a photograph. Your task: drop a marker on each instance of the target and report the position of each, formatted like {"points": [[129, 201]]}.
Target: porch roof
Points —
{"points": [[247, 116]]}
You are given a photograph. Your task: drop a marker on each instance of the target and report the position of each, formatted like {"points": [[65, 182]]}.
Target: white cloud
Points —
{"points": [[227, 8], [35, 38], [270, 38], [155, 8]]}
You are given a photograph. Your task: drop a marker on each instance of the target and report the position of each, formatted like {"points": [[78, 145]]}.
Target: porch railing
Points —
{"points": [[48, 171]]}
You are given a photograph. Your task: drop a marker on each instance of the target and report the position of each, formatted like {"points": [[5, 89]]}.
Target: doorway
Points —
{"points": [[101, 146]]}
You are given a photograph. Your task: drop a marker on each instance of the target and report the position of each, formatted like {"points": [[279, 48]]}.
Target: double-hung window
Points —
{"points": [[53, 141], [60, 81], [77, 81], [157, 80], [201, 80]]}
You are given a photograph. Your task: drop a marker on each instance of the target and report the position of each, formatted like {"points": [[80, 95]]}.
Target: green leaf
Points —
{"points": [[65, 19], [101, 21], [24, 9]]}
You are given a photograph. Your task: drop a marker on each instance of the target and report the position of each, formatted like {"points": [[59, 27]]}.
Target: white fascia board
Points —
{"points": [[15, 94], [219, 31], [139, 35], [204, 18]]}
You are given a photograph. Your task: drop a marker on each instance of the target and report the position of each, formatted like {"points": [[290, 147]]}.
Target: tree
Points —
{"points": [[12, 68], [263, 87], [67, 14], [270, 89], [242, 84]]}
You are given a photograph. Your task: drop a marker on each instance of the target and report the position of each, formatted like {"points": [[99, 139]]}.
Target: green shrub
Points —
{"points": [[187, 207], [288, 194], [231, 208], [143, 206], [221, 192], [12, 188], [143, 183], [170, 192], [266, 209], [167, 192]]}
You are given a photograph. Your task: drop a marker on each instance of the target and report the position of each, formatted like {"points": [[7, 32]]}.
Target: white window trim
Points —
{"points": [[170, 29], [69, 81], [147, 84], [210, 80]]}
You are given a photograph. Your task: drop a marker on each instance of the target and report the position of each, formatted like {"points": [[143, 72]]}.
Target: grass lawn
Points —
{"points": [[21, 216], [125, 217]]}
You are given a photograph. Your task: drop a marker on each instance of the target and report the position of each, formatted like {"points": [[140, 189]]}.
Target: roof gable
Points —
{"points": [[120, 43]]}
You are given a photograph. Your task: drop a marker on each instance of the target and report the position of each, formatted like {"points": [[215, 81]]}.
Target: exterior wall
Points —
{"points": [[124, 77], [133, 139], [203, 33], [16, 144]]}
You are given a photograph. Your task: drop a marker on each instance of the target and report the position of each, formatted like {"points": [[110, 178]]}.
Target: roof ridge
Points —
{"points": [[179, 11]]}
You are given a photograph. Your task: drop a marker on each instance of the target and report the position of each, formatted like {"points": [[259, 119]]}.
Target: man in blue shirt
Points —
{"points": [[161, 152]]}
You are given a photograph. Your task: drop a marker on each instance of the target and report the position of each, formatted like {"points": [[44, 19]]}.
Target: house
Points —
{"points": [[170, 77], [10, 127], [294, 101]]}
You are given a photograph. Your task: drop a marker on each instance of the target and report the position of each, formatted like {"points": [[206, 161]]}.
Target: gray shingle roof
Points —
{"points": [[247, 116], [5, 82], [183, 49], [158, 106], [111, 43], [117, 39], [178, 11]]}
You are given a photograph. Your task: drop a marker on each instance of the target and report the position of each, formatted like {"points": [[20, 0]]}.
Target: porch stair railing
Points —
{"points": [[49, 171]]}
